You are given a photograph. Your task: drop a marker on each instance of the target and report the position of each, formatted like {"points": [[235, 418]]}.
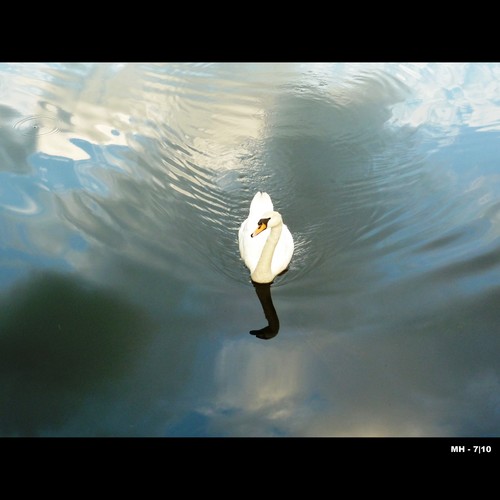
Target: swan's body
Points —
{"points": [[266, 244]]}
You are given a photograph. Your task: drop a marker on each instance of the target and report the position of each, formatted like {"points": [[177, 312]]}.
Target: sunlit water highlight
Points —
{"points": [[122, 188]]}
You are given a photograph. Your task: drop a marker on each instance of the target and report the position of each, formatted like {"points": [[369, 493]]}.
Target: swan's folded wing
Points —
{"points": [[283, 252], [240, 239]]}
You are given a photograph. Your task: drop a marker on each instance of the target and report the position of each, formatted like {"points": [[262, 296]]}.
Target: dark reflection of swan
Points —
{"points": [[263, 291]]}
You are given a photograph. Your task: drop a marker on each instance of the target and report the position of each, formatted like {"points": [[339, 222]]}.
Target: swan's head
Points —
{"points": [[268, 220]]}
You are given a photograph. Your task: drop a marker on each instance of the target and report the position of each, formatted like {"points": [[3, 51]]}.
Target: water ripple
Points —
{"points": [[215, 172], [37, 125], [175, 159]]}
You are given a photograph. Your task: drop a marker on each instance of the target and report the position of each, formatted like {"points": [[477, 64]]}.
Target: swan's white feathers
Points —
{"points": [[251, 248], [261, 203]]}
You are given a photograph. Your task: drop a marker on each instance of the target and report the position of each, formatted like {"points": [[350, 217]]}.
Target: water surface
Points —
{"points": [[126, 309]]}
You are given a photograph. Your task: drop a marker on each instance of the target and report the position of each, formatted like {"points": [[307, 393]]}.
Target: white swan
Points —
{"points": [[266, 244]]}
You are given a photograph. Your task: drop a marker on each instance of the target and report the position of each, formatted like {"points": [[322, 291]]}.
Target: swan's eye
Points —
{"points": [[263, 221]]}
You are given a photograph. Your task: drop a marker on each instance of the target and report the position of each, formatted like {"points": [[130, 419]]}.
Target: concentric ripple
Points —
{"points": [[37, 125]]}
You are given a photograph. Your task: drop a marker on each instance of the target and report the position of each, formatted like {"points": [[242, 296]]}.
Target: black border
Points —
{"points": [[272, 448]]}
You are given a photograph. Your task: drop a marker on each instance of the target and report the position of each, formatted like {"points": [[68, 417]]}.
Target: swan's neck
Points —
{"points": [[262, 272]]}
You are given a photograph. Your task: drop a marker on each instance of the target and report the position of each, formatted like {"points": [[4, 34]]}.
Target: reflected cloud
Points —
{"points": [[260, 379], [449, 96]]}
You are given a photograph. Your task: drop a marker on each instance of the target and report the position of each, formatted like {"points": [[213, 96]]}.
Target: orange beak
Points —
{"points": [[259, 229]]}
